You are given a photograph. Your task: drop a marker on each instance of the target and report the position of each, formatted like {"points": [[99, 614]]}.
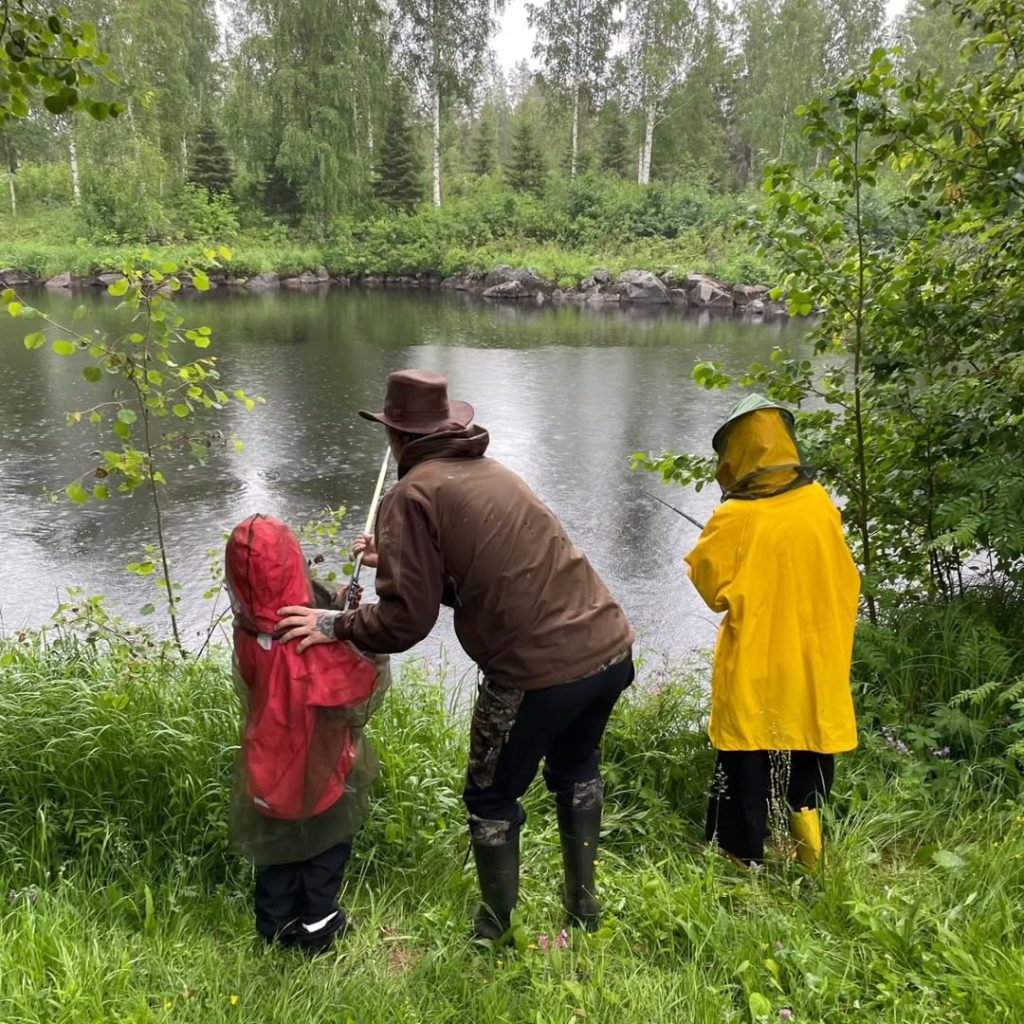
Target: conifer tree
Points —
{"points": [[615, 148], [398, 181], [484, 147], [526, 169], [211, 165]]}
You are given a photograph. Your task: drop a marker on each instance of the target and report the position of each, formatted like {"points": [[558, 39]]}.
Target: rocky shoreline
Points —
{"points": [[502, 284]]}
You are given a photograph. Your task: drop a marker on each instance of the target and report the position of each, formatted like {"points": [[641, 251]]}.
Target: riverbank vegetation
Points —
{"points": [[123, 901], [373, 139]]}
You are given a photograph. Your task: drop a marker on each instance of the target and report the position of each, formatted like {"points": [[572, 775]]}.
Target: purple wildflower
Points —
{"points": [[785, 1013], [563, 939], [543, 942]]}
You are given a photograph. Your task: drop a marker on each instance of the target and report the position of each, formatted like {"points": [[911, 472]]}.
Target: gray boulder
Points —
{"points": [[745, 294], [640, 286], [508, 290], [709, 294], [61, 281], [526, 276], [14, 278], [602, 276], [264, 283]]}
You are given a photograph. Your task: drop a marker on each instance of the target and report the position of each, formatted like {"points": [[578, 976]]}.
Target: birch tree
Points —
{"points": [[662, 37], [573, 40], [444, 43]]}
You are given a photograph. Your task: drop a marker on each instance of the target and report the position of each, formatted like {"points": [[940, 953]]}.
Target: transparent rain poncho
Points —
{"points": [[305, 766]]}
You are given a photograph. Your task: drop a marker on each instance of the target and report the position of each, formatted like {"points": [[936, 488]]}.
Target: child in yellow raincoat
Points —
{"points": [[774, 559]]}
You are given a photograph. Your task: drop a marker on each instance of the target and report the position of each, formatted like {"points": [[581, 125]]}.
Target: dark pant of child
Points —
{"points": [[297, 904], [748, 784]]}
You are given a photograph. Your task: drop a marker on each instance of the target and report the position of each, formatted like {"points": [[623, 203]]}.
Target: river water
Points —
{"points": [[566, 393]]}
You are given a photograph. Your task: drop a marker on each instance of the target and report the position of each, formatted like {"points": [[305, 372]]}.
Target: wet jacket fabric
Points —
{"points": [[460, 529], [780, 570], [303, 712]]}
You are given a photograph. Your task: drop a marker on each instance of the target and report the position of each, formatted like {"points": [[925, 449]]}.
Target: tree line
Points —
{"points": [[306, 111]]}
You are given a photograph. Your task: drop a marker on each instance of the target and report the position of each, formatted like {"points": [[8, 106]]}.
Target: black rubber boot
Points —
{"points": [[580, 830], [497, 868]]}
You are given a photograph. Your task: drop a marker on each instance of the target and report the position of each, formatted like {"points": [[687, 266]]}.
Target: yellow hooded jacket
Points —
{"points": [[780, 569]]}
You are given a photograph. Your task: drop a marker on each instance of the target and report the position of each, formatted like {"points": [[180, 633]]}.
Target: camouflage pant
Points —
{"points": [[513, 730]]}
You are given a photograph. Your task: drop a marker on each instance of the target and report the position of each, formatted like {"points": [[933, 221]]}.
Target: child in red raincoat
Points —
{"points": [[302, 788]]}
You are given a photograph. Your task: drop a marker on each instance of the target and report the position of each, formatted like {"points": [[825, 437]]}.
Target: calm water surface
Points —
{"points": [[567, 394]]}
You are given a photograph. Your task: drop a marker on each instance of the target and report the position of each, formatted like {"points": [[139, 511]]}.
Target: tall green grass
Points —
{"points": [[120, 900]]}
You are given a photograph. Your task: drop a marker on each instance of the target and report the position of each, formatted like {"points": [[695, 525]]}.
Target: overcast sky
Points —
{"points": [[514, 41]]}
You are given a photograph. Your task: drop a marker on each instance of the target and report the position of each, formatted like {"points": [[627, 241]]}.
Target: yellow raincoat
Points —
{"points": [[780, 569]]}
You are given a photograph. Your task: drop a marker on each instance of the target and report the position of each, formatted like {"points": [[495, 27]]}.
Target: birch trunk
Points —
{"points": [[14, 194], [575, 129], [436, 137], [76, 181], [645, 157]]}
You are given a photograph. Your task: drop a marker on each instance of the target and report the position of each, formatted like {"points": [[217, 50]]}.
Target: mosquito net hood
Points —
{"points": [[305, 766]]}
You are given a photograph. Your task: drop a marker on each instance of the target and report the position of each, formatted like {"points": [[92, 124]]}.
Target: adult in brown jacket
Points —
{"points": [[553, 646]]}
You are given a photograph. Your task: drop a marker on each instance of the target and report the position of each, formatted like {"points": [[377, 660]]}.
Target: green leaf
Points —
{"points": [[948, 859], [63, 347], [119, 287], [77, 493], [92, 374], [100, 492], [760, 1006], [147, 609], [126, 416], [200, 281], [122, 430], [181, 410], [201, 342], [15, 308], [35, 340]]}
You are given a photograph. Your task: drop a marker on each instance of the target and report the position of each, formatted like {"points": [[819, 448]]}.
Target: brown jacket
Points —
{"points": [[462, 530]]}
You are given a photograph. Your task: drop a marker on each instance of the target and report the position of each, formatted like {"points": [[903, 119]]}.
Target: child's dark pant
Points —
{"points": [[747, 783], [297, 904]]}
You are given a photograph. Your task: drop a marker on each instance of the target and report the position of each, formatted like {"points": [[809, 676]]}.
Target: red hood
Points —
{"points": [[266, 570]]}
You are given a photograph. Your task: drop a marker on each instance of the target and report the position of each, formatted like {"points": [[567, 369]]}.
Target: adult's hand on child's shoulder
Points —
{"points": [[366, 547], [307, 625]]}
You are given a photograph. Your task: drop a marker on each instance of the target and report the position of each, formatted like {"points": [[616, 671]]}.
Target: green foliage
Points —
{"points": [[915, 397], [484, 159], [206, 216], [211, 166], [45, 56], [117, 766], [525, 171], [398, 182], [155, 396]]}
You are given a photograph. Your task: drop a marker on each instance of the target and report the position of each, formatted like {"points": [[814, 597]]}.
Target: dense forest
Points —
{"points": [[312, 117]]}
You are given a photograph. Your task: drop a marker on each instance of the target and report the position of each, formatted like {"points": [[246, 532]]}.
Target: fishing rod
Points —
{"points": [[353, 587], [688, 518]]}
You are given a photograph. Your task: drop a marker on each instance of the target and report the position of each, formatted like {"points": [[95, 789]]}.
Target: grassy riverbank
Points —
{"points": [[564, 237], [124, 903]]}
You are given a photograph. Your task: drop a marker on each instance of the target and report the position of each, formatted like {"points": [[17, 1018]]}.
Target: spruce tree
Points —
{"points": [[211, 165], [484, 147], [526, 169], [615, 155], [398, 181]]}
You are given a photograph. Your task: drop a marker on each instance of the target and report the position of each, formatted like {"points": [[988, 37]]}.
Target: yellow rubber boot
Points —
{"points": [[805, 828]]}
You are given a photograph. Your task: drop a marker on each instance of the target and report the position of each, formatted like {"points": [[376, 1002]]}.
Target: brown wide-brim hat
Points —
{"points": [[417, 402]]}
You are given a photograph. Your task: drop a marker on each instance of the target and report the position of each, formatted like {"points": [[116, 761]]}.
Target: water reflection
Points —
{"points": [[567, 394]]}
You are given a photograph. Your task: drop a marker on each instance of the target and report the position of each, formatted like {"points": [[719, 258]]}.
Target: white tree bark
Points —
{"points": [[575, 129], [14, 194], [76, 181], [436, 137], [645, 152]]}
